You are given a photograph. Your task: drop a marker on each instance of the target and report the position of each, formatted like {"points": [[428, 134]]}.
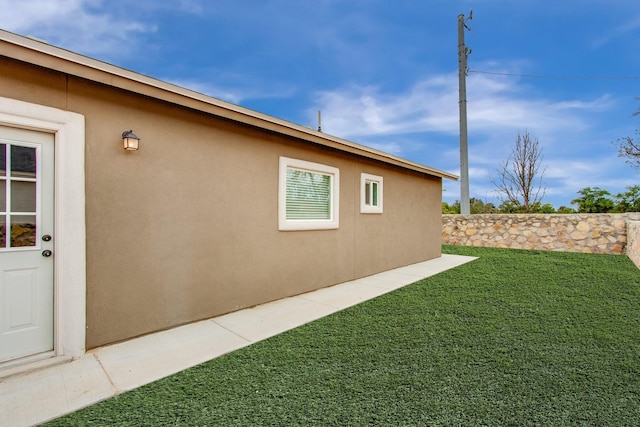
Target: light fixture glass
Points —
{"points": [[130, 141]]}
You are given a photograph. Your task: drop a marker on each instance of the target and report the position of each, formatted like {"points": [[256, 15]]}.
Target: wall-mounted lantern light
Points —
{"points": [[130, 141]]}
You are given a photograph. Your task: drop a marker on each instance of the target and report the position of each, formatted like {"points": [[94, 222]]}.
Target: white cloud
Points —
{"points": [[364, 110], [388, 147], [25, 15], [208, 89], [571, 175], [616, 32], [408, 122], [189, 6], [232, 88], [432, 106], [83, 26]]}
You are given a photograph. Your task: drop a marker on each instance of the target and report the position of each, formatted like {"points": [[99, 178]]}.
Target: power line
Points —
{"points": [[534, 76]]}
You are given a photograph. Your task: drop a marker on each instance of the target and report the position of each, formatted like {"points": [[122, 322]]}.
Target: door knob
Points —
{"points": [[47, 253], [46, 238]]}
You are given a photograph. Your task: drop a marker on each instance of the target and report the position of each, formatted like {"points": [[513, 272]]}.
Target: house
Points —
{"points": [[220, 209]]}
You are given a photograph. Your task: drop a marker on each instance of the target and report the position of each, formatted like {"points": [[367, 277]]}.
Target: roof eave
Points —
{"points": [[48, 56]]}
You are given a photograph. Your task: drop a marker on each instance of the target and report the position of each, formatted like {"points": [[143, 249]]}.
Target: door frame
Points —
{"points": [[69, 282]]}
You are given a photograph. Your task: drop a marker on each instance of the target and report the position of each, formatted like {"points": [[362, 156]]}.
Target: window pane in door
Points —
{"points": [[23, 162], [23, 196], [3, 159], [3, 228], [23, 230], [3, 195]]}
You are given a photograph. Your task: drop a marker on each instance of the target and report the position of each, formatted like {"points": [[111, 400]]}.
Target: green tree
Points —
{"points": [[453, 208], [477, 206], [547, 208], [565, 210], [628, 201], [519, 178], [537, 207], [508, 206], [593, 200]]}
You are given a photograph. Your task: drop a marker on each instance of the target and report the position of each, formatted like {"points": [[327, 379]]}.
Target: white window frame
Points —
{"points": [[313, 224], [370, 208]]}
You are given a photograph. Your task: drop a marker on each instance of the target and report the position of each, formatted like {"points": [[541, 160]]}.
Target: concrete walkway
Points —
{"points": [[48, 389]]}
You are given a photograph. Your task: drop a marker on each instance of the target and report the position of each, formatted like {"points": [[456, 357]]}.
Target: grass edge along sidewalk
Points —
{"points": [[514, 338]]}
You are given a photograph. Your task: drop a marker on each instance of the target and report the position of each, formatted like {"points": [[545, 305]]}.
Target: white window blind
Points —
{"points": [[308, 195]]}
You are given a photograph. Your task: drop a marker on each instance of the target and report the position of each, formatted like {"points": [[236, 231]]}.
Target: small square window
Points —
{"points": [[370, 193], [308, 195]]}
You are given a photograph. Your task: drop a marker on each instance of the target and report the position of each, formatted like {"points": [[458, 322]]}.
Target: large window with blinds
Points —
{"points": [[308, 195]]}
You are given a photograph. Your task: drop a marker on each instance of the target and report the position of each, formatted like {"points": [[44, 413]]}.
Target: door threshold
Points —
{"points": [[30, 364]]}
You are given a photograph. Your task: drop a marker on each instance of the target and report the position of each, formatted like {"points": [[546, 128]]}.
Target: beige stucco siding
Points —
{"points": [[404, 233], [187, 227]]}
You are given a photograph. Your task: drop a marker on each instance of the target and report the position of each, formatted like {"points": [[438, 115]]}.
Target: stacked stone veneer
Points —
{"points": [[633, 240], [589, 233]]}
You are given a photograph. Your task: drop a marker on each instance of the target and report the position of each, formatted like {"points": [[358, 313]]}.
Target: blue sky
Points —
{"points": [[384, 73]]}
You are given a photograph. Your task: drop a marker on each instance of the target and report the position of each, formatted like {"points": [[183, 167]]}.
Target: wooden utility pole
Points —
{"points": [[463, 53]]}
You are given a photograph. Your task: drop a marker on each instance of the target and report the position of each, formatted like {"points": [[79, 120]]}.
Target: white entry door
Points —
{"points": [[26, 243]]}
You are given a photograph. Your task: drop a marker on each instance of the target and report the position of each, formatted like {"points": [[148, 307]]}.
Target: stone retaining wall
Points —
{"points": [[589, 233], [633, 240]]}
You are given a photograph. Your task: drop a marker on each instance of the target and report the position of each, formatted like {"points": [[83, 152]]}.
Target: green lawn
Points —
{"points": [[515, 338]]}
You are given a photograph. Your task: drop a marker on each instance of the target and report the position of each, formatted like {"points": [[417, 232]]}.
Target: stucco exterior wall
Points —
{"points": [[187, 227], [589, 233]]}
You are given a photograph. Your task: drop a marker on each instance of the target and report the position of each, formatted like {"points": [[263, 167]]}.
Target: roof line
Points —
{"points": [[222, 108]]}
